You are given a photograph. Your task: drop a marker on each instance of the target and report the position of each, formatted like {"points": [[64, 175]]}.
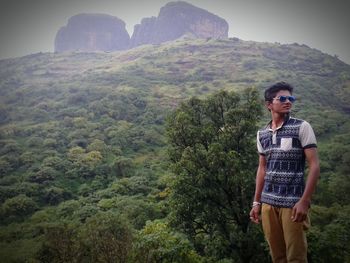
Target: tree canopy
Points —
{"points": [[213, 151]]}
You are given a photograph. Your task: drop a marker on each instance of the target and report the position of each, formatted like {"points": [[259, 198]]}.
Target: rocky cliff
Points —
{"points": [[92, 32], [178, 19], [144, 32], [99, 32]]}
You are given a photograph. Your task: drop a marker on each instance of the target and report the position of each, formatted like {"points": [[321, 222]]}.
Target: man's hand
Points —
{"points": [[300, 210], [255, 214]]}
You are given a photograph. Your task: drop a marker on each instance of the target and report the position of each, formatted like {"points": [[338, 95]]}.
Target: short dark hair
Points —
{"points": [[271, 91]]}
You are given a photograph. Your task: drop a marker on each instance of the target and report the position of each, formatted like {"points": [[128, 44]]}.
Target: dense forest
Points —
{"points": [[148, 155]]}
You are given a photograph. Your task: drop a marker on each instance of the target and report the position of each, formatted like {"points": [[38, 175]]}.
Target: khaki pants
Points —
{"points": [[287, 239]]}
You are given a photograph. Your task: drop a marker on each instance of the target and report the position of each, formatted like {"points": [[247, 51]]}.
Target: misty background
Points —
{"points": [[28, 27]]}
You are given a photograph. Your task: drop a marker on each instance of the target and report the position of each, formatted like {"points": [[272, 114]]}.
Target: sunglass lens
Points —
{"points": [[291, 99], [283, 98]]}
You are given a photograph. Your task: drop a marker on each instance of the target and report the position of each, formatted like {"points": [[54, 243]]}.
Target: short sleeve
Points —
{"points": [[258, 144], [307, 136]]}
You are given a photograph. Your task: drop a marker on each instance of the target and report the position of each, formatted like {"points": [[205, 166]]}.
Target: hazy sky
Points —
{"points": [[30, 26]]}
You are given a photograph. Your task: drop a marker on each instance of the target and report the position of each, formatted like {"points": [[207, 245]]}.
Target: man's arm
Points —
{"points": [[259, 184], [301, 208]]}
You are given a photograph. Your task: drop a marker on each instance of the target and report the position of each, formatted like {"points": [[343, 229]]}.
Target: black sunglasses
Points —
{"points": [[285, 98]]}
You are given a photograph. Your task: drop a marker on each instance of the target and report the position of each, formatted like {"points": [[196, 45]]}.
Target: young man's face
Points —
{"points": [[281, 102]]}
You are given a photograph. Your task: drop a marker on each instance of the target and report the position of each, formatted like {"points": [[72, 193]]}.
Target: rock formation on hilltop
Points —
{"points": [[178, 19], [100, 32], [92, 32], [143, 33]]}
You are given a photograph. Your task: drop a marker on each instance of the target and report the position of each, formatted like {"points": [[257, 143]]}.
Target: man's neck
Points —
{"points": [[277, 120]]}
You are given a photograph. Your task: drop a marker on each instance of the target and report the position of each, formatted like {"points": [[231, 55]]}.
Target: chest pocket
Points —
{"points": [[286, 144]]}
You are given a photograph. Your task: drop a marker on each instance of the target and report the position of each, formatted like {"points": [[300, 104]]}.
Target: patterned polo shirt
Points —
{"points": [[285, 160]]}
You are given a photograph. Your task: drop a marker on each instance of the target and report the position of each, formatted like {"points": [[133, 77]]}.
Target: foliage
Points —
{"points": [[107, 238], [330, 233], [214, 158], [61, 245], [18, 207], [84, 133], [104, 237], [157, 242]]}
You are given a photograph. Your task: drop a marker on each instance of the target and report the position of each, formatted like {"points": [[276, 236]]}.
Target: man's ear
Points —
{"points": [[268, 105]]}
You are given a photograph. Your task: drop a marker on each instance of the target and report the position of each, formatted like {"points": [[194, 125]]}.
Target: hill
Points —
{"points": [[83, 133]]}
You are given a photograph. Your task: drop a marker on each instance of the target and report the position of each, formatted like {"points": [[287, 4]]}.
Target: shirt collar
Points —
{"points": [[286, 119]]}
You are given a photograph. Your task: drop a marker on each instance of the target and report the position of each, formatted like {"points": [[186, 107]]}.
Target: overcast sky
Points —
{"points": [[30, 26]]}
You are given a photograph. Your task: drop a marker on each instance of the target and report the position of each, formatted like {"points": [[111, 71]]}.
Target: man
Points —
{"points": [[280, 193]]}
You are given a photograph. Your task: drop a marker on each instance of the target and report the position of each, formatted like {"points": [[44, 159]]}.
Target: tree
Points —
{"points": [[136, 210], [212, 148], [98, 145], [55, 195], [60, 245], [107, 238], [328, 238], [18, 207], [5, 167], [44, 175], [157, 242], [122, 166], [84, 164]]}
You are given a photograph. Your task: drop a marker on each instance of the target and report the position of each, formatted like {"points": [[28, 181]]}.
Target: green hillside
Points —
{"points": [[84, 150]]}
